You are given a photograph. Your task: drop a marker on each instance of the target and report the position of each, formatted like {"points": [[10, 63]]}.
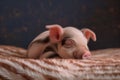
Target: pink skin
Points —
{"points": [[75, 45], [57, 33], [86, 54], [89, 34]]}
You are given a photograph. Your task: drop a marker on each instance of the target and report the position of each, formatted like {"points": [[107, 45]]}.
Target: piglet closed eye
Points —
{"points": [[68, 42], [71, 41]]}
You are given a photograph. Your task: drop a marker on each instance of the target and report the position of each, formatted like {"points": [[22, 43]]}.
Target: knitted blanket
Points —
{"points": [[103, 65]]}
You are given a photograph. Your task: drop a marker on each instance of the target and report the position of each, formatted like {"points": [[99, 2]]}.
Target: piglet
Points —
{"points": [[68, 42]]}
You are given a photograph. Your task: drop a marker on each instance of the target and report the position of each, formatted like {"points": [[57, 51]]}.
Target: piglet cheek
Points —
{"points": [[86, 55]]}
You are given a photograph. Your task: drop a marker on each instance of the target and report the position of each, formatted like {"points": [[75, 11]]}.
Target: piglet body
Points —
{"points": [[67, 42]]}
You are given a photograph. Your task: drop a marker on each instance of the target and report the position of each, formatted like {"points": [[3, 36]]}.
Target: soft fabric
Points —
{"points": [[103, 65]]}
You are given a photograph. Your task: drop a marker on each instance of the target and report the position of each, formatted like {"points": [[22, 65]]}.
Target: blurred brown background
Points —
{"points": [[22, 20]]}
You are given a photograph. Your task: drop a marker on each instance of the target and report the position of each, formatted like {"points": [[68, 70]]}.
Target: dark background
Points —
{"points": [[22, 20]]}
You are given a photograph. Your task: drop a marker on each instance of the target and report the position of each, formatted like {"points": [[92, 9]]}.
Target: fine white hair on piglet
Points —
{"points": [[68, 42]]}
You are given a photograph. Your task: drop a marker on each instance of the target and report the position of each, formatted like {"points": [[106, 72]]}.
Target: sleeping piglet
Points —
{"points": [[67, 42]]}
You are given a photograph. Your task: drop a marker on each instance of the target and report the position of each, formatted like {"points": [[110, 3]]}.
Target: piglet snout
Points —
{"points": [[85, 55]]}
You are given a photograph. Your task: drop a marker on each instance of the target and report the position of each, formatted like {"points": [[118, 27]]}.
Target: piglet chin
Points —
{"points": [[86, 55]]}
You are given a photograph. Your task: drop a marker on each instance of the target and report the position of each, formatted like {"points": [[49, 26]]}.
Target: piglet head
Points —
{"points": [[71, 42]]}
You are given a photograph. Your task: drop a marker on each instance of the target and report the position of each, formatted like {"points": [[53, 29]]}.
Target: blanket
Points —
{"points": [[103, 65]]}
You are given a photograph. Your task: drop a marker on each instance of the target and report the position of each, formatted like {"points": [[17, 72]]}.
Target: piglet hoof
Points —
{"points": [[86, 55]]}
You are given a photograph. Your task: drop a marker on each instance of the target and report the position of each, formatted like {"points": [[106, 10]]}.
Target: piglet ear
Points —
{"points": [[55, 32], [89, 34]]}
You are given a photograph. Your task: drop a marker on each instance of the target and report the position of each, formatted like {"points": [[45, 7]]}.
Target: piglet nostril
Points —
{"points": [[86, 55]]}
